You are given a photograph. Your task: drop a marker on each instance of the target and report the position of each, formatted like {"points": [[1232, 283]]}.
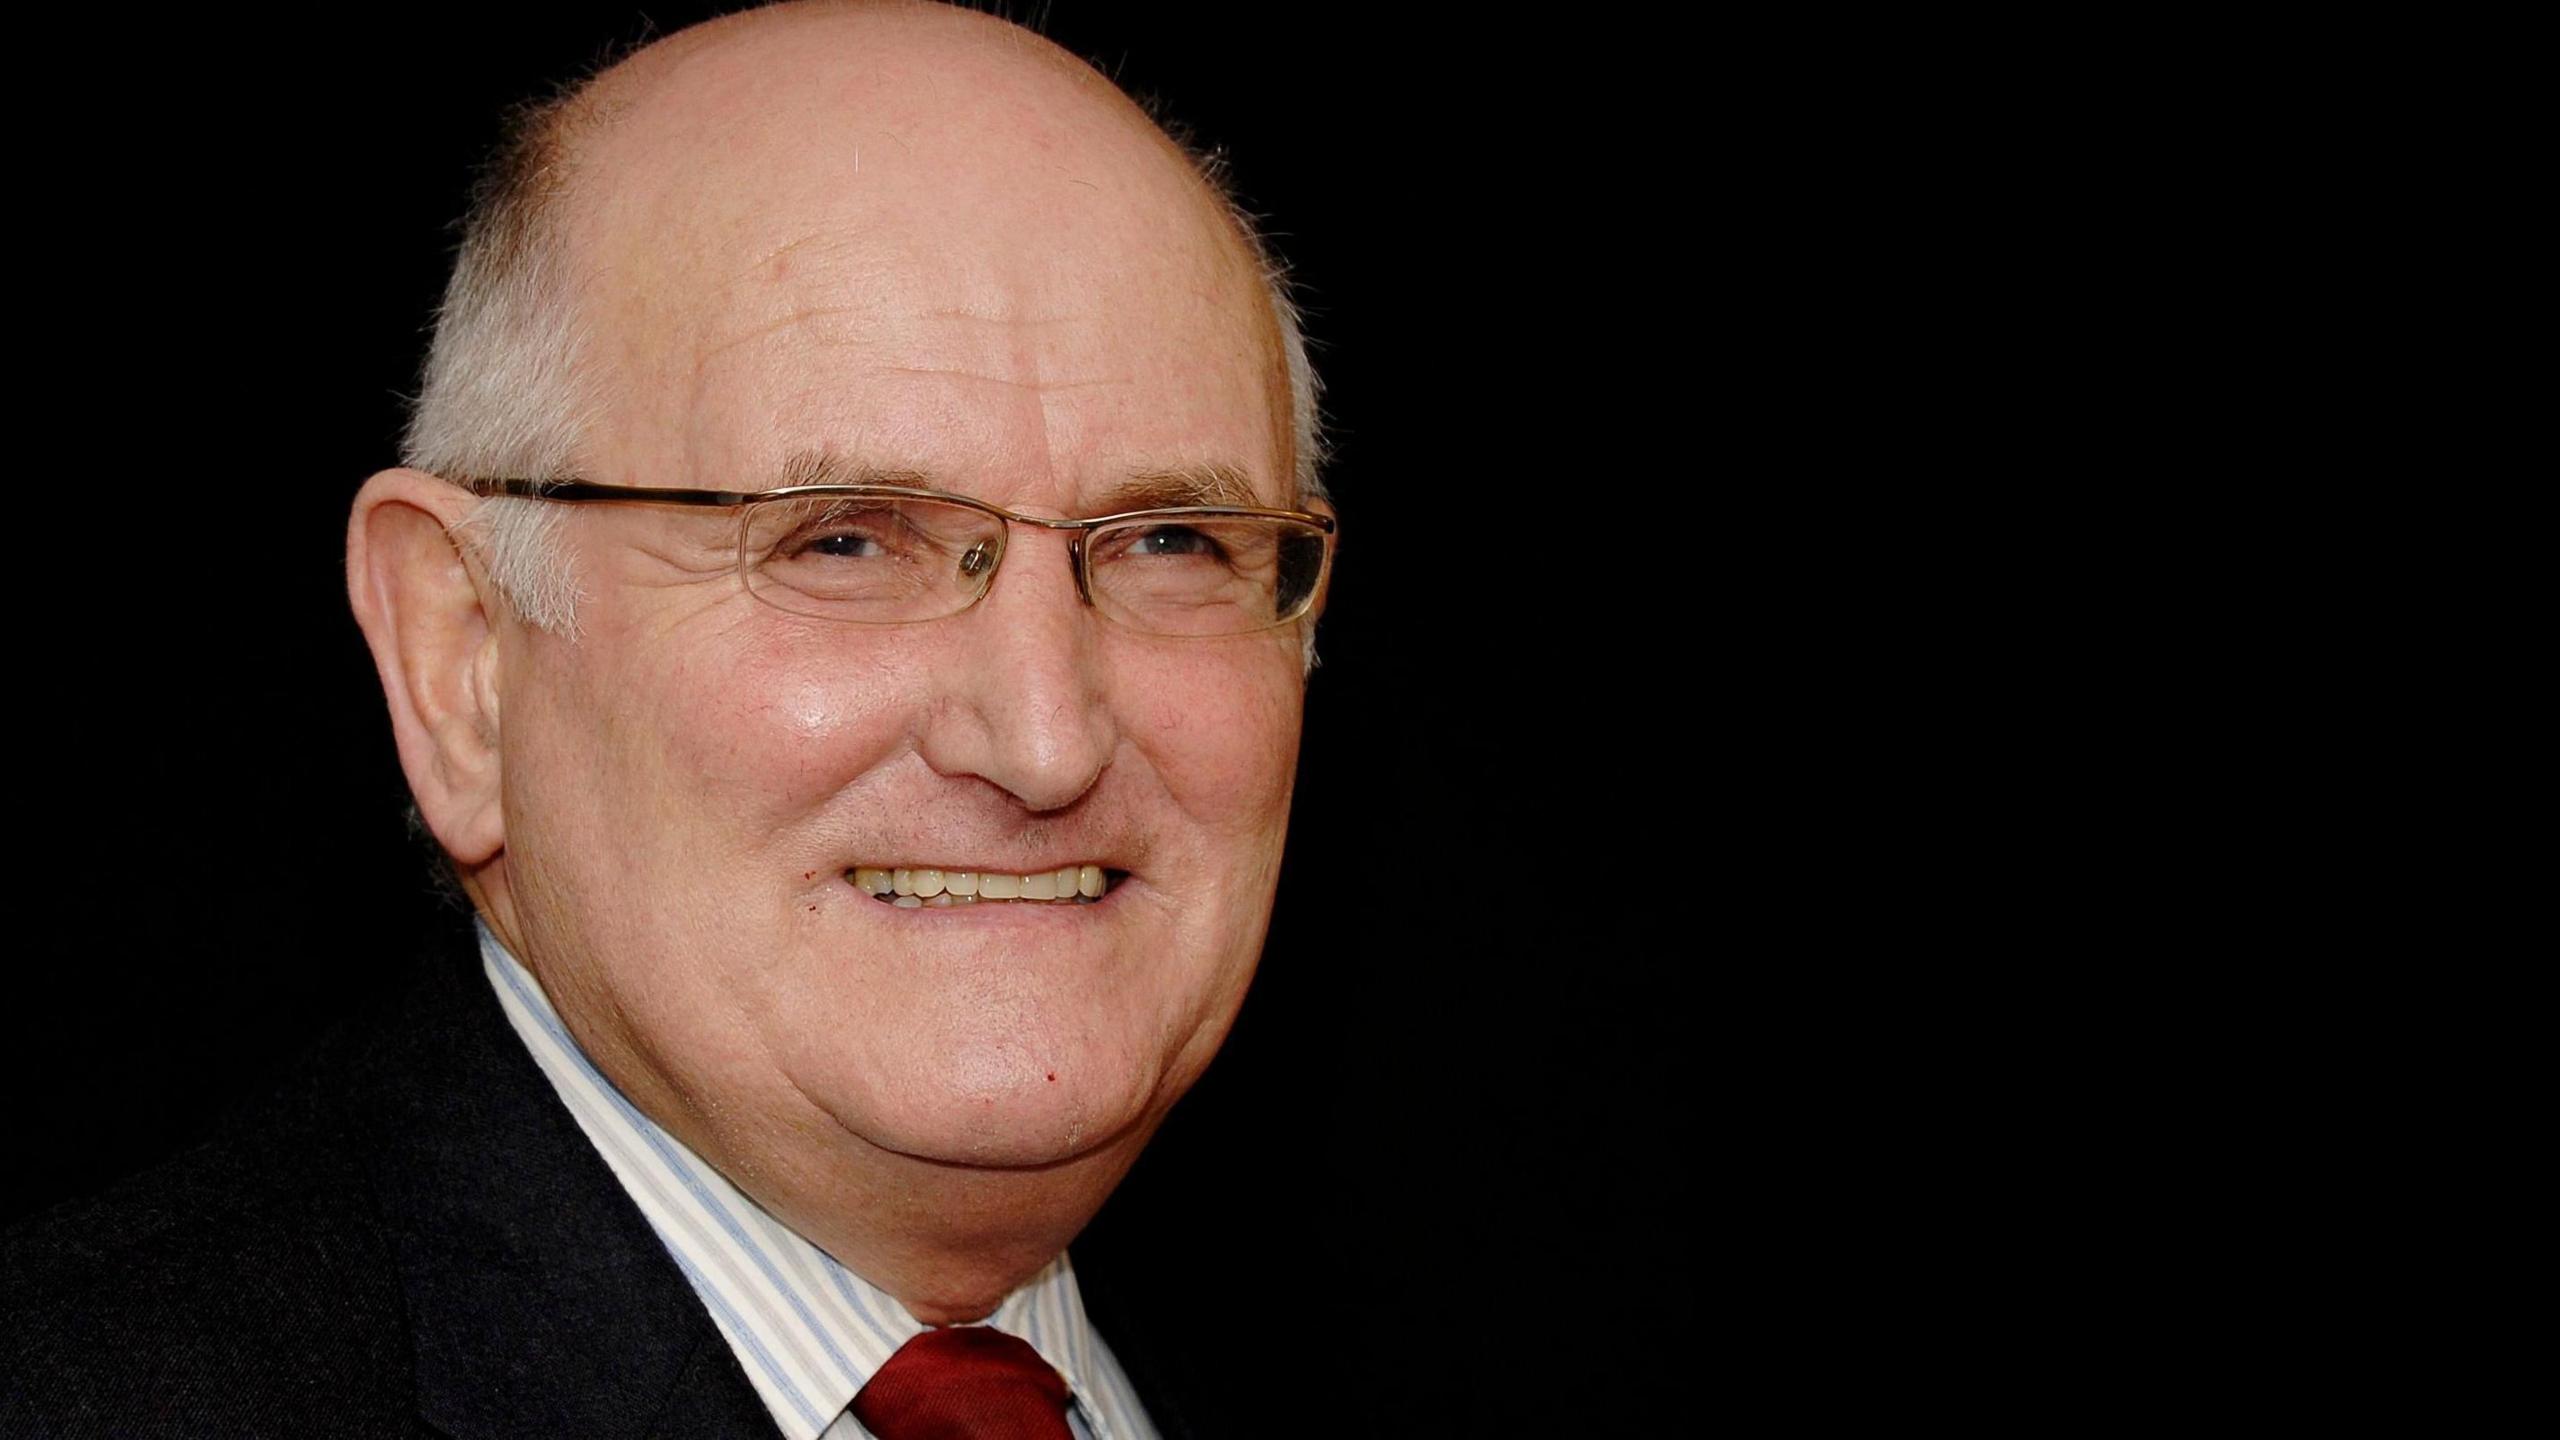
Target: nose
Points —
{"points": [[1020, 697]]}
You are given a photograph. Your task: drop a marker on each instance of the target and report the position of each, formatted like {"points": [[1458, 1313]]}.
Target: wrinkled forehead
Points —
{"points": [[774, 248]]}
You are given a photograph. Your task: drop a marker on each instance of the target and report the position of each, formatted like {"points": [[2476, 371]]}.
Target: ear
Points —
{"points": [[422, 610]]}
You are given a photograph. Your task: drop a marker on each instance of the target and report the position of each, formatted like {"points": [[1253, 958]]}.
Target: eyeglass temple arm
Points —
{"points": [[576, 490]]}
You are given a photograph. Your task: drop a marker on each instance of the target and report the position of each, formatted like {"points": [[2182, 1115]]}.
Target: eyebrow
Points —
{"points": [[817, 467], [1211, 483]]}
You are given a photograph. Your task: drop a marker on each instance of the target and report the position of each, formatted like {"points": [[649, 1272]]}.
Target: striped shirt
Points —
{"points": [[807, 1331]]}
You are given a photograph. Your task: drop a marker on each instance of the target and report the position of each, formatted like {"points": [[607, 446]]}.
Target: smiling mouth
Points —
{"points": [[915, 888]]}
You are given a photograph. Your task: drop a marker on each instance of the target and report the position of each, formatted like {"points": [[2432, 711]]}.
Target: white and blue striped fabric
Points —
{"points": [[807, 1331]]}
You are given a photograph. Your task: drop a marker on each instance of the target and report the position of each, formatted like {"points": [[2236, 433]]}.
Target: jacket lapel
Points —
{"points": [[540, 1300], [1156, 1376]]}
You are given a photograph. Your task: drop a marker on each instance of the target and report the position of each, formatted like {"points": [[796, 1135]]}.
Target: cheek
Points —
{"points": [[1224, 740], [775, 725]]}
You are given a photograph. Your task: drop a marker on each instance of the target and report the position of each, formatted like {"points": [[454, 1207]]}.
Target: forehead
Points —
{"points": [[980, 264]]}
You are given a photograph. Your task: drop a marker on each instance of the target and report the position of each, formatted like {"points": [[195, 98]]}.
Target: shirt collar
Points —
{"points": [[808, 1332]]}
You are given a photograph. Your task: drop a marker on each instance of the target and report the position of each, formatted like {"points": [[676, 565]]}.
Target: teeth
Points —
{"points": [[913, 887]]}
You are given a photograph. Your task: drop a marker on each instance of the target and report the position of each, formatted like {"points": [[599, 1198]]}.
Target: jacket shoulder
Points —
{"points": [[244, 1287]]}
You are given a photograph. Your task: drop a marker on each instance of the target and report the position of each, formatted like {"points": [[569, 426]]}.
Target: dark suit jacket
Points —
{"points": [[414, 1238]]}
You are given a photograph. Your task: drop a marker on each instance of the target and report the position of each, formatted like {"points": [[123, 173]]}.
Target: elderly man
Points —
{"points": [[845, 617]]}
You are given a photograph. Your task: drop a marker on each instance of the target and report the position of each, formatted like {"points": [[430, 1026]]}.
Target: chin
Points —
{"points": [[1011, 1106]]}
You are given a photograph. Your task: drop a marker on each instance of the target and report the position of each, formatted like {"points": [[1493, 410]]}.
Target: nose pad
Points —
{"points": [[1075, 564], [978, 566]]}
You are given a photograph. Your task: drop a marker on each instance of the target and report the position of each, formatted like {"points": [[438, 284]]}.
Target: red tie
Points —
{"points": [[965, 1383]]}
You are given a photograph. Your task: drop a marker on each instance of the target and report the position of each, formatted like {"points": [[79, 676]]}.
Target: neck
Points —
{"points": [[950, 1241]]}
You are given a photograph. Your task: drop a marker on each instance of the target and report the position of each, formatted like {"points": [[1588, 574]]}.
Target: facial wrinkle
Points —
{"points": [[1044, 394], [981, 318], [774, 260], [1043, 386], [784, 322]]}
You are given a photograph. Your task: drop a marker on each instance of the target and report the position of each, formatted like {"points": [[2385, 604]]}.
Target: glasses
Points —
{"points": [[893, 555]]}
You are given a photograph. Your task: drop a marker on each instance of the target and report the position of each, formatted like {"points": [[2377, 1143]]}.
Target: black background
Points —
{"points": [[1466, 1081]]}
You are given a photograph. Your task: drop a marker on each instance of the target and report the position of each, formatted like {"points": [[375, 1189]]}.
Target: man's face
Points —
{"points": [[690, 783]]}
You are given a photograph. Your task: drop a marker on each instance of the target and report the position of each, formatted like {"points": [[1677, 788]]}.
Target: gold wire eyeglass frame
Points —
{"points": [[588, 492]]}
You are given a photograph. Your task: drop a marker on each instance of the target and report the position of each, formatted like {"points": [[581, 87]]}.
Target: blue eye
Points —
{"points": [[1176, 540], [848, 532], [844, 547]]}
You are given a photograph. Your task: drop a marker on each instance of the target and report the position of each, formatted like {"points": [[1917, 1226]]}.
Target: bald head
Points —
{"points": [[662, 259]]}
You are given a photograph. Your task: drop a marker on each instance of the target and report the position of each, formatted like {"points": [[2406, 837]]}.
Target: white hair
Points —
{"points": [[1306, 420], [506, 391]]}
